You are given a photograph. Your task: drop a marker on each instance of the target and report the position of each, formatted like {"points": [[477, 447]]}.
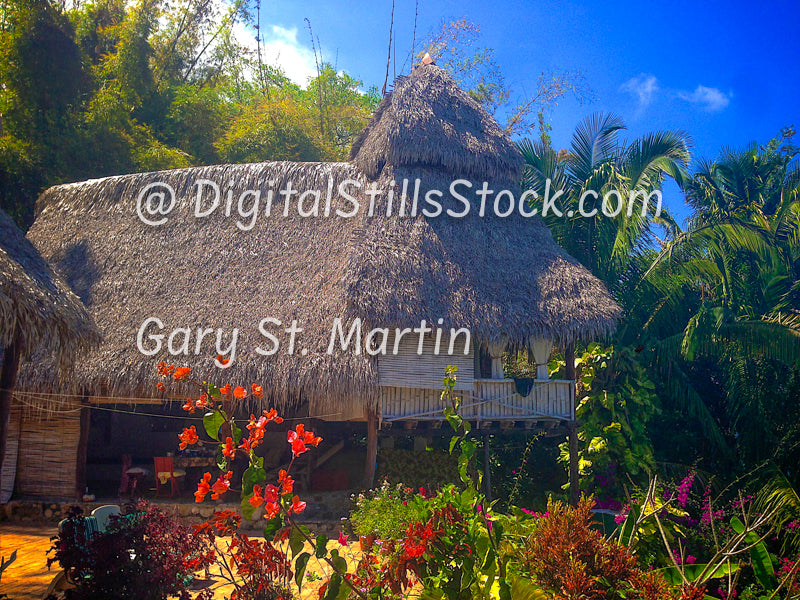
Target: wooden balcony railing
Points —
{"points": [[489, 400]]}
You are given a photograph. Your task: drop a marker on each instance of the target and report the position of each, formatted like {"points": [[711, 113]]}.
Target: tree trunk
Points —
{"points": [[8, 377], [83, 444], [372, 448], [572, 428], [487, 467]]}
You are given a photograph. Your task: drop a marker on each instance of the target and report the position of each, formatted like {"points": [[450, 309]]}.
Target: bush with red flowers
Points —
{"points": [[143, 555]]}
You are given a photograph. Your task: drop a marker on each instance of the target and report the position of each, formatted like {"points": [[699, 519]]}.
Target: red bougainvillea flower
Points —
{"points": [[221, 485], [272, 415], [270, 494], [203, 488], [225, 390], [164, 370], [181, 373], [414, 550], [229, 449], [300, 438], [256, 429], [272, 509], [203, 403], [287, 483], [297, 506], [239, 393], [188, 437], [256, 499], [160, 386], [189, 406], [343, 539], [257, 390], [222, 361]]}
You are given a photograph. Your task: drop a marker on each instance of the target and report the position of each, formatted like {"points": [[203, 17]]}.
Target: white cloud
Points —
{"points": [[281, 49], [708, 98], [643, 88]]}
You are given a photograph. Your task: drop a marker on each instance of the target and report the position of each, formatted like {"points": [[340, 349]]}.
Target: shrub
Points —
{"points": [[144, 555], [385, 511], [564, 556]]}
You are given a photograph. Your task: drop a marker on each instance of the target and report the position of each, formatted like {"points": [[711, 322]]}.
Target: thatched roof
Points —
{"points": [[35, 304], [500, 277], [428, 120]]}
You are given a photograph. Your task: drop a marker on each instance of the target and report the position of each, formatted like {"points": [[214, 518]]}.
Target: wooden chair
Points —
{"points": [[167, 473]]}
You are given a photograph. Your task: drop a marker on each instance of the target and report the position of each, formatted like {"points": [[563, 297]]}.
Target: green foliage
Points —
{"points": [[385, 511], [616, 402], [110, 87]]}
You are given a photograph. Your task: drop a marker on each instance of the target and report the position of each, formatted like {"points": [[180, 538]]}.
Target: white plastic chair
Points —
{"points": [[103, 515]]}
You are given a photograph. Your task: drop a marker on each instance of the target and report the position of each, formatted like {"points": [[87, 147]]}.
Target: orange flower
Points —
{"points": [[203, 488], [229, 449], [203, 402], [272, 415], [239, 393], [256, 499], [160, 385], [181, 373], [300, 439], [225, 390], [297, 507], [188, 437], [189, 406], [272, 508], [220, 486], [222, 361], [258, 391], [287, 483]]}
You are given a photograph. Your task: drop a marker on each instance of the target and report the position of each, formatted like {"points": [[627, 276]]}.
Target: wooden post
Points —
{"points": [[8, 377], [487, 467], [83, 445], [372, 448], [572, 429]]}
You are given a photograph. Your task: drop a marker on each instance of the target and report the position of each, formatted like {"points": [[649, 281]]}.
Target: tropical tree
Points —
{"points": [[725, 294], [596, 164]]}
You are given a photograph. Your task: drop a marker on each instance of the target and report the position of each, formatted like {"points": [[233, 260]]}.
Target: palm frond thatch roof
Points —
{"points": [[428, 120], [36, 306], [500, 277]]}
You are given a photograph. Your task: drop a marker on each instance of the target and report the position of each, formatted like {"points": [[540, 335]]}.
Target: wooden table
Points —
{"points": [[188, 462]]}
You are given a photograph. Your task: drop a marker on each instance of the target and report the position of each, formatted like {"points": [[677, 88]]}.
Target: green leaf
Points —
{"points": [[453, 442], [525, 589], [334, 585], [253, 476], [237, 434], [273, 525], [247, 508], [300, 569], [338, 561], [296, 541], [214, 391], [692, 572], [759, 556], [212, 421], [222, 461], [321, 545], [627, 531]]}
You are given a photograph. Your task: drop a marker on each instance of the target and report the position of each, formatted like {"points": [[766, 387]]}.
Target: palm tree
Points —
{"points": [[737, 269], [599, 161]]}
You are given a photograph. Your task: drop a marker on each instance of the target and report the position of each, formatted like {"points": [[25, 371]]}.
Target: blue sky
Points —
{"points": [[727, 73]]}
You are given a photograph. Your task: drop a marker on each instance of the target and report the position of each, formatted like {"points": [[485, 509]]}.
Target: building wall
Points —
{"points": [[47, 457]]}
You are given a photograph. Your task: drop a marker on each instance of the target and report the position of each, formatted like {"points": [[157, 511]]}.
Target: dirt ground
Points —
{"points": [[28, 577]]}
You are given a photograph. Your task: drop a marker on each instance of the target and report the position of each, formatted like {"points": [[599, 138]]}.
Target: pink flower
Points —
{"points": [[342, 538], [684, 488], [690, 560]]}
